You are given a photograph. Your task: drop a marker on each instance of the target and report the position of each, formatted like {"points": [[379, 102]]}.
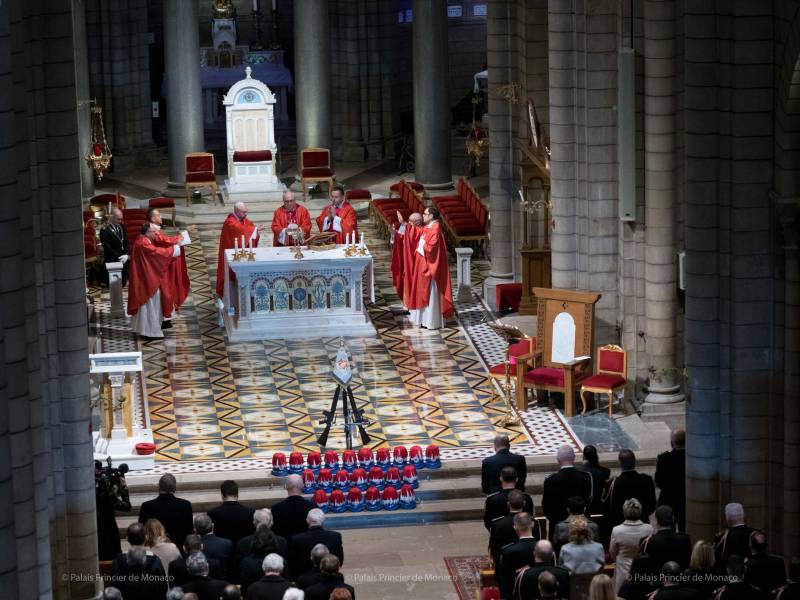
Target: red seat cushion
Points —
{"points": [[161, 203], [358, 195], [604, 380], [201, 177], [546, 376], [610, 360], [317, 172], [438, 199], [509, 295], [315, 159], [491, 593], [252, 155]]}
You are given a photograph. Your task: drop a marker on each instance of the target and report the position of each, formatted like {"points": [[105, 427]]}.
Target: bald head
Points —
{"points": [[548, 584], [415, 219], [565, 456], [115, 216], [294, 485], [543, 552], [288, 200]]}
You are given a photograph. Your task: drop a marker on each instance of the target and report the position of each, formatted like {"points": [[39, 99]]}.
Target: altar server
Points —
{"points": [[178, 274], [338, 217], [290, 212], [431, 299], [151, 290], [236, 229], [404, 256]]}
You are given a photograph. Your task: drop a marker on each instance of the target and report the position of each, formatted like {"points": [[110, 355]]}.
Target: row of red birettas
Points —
{"points": [[361, 481]]}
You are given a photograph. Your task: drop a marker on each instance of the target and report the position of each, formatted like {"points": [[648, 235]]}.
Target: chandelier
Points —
{"points": [[99, 156]]}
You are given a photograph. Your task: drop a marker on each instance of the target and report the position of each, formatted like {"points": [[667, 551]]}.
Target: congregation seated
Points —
{"points": [[581, 556], [232, 520], [625, 540], [199, 582], [527, 586], [272, 585], [302, 544], [264, 543], [290, 514], [332, 580], [156, 540], [492, 466], [173, 512], [575, 508], [314, 575], [214, 547], [666, 544], [496, 504], [192, 544]]}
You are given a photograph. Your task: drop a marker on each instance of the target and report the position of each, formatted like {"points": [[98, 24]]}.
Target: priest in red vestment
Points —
{"points": [[151, 290], [338, 217], [290, 212], [431, 300], [406, 237], [237, 227], [178, 271]]}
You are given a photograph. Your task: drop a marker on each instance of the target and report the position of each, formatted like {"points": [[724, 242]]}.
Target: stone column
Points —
{"points": [[501, 58], [83, 95], [312, 68], [431, 99], [660, 199], [184, 96]]}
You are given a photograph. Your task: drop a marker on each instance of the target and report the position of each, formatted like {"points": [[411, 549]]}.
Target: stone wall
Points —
{"points": [[47, 516]]}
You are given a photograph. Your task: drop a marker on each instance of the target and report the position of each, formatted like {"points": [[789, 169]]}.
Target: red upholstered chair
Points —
{"points": [[315, 167], [394, 189], [491, 593], [611, 376], [132, 220], [524, 351], [508, 296], [163, 204], [200, 173]]}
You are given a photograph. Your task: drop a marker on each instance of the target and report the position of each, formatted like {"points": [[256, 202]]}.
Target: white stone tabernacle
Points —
{"points": [[278, 296]]}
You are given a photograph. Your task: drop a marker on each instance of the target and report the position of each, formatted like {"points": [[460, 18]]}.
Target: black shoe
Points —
{"points": [[166, 324]]}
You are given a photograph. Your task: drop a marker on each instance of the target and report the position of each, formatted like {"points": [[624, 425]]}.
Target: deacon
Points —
{"points": [[178, 272], [404, 257], [431, 300], [151, 294], [116, 247], [290, 212], [237, 230], [338, 217]]}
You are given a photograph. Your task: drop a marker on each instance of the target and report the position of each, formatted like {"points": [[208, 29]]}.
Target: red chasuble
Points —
{"points": [[435, 268], [177, 278], [282, 218], [232, 229], [405, 261], [149, 271], [349, 222]]}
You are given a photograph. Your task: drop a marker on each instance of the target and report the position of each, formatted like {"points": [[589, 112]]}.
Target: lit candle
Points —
{"points": [[243, 246], [362, 241], [347, 239], [235, 246], [255, 4]]}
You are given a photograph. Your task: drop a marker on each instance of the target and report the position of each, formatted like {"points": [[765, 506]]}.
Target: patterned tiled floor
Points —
{"points": [[211, 401]]}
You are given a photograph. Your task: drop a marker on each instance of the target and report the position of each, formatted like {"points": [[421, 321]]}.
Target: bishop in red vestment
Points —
{"points": [[404, 257], [431, 300], [178, 275], [290, 212], [235, 228], [151, 293], [338, 217]]}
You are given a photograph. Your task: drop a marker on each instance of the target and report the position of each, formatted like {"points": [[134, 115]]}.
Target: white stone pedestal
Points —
{"points": [[464, 273], [115, 288], [122, 449]]}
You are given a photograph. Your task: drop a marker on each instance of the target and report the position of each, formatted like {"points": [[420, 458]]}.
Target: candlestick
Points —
{"points": [[242, 242], [235, 249], [256, 5], [362, 240]]}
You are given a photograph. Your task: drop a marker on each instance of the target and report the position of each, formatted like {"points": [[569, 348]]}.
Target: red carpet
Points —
{"points": [[464, 572]]}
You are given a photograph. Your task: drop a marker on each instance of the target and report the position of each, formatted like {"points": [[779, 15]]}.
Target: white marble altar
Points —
{"points": [[277, 296]]}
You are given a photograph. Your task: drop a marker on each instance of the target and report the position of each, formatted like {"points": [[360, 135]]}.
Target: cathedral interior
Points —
{"points": [[634, 164]]}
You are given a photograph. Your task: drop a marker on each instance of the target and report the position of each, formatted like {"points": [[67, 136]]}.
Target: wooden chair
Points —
{"points": [[524, 350], [611, 376], [315, 167], [200, 173], [163, 204]]}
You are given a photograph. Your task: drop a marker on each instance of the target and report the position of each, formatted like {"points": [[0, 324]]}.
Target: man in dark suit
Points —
{"points": [[309, 578], [232, 521], [496, 504], [143, 578], [566, 482], [177, 568], [737, 588], [262, 516], [214, 547], [289, 515], [671, 478], [665, 544], [516, 555], [671, 585], [199, 582], [735, 540], [115, 245], [121, 564], [763, 570], [174, 513], [503, 457], [543, 561], [630, 484], [502, 532], [271, 586], [548, 586], [331, 579], [301, 544]]}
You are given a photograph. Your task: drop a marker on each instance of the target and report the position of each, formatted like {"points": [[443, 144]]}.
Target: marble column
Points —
{"points": [[431, 98], [660, 200], [184, 95], [312, 68], [82, 94]]}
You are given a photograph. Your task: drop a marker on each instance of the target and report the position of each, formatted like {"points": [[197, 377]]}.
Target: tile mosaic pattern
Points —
{"points": [[211, 401]]}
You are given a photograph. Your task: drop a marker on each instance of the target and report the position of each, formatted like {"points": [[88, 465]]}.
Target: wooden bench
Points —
{"points": [[383, 211], [465, 217]]}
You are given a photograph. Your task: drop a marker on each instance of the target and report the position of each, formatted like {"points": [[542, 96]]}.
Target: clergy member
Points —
{"points": [[338, 217], [178, 276], [150, 293], [290, 212], [431, 300], [236, 229], [406, 237]]}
